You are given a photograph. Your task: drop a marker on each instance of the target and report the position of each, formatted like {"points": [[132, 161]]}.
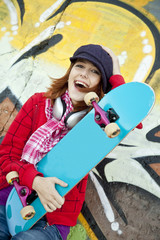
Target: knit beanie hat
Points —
{"points": [[99, 57]]}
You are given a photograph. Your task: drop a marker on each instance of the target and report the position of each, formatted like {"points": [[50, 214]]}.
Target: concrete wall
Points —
{"points": [[36, 40]]}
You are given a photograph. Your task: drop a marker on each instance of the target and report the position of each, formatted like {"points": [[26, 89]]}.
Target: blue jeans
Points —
{"points": [[40, 231]]}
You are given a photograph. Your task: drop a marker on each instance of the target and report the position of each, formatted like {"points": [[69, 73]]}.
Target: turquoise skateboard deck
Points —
{"points": [[84, 147]]}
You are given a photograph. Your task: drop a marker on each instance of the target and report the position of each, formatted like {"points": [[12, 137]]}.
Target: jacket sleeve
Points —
{"points": [[116, 80], [12, 146]]}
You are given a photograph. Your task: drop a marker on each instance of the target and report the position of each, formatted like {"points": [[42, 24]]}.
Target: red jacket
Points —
{"points": [[30, 117]]}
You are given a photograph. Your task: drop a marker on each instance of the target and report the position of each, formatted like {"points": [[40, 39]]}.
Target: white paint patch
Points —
{"points": [[44, 16], [3, 29], [60, 25], [14, 28], [145, 41], [7, 33], [105, 203], [37, 24], [147, 49], [11, 38], [68, 23], [122, 58], [13, 13], [143, 69], [143, 34], [115, 226], [119, 232], [15, 33], [5, 47]]}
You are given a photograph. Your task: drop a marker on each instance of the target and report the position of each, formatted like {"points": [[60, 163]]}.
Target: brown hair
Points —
{"points": [[60, 85]]}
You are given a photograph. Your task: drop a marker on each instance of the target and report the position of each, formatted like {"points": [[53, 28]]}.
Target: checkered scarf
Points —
{"points": [[48, 135]]}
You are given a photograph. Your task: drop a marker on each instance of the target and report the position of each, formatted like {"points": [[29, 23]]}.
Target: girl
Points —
{"points": [[48, 117]]}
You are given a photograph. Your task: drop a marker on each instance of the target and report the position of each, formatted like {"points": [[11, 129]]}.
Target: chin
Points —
{"points": [[76, 100]]}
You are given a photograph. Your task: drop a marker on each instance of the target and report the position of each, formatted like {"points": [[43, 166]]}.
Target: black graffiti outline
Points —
{"points": [[151, 134], [137, 13], [148, 22], [145, 161], [22, 9], [40, 48], [92, 223]]}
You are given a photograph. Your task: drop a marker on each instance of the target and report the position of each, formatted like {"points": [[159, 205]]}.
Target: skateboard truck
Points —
{"points": [[104, 119], [27, 211]]}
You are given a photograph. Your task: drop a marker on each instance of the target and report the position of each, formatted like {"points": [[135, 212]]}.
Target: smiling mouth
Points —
{"points": [[79, 84]]}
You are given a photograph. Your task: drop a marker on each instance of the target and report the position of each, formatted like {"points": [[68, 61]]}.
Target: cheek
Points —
{"points": [[70, 85], [73, 72], [95, 80], [70, 79]]}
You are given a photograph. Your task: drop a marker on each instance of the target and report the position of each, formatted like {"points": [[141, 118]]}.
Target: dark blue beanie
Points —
{"points": [[99, 57]]}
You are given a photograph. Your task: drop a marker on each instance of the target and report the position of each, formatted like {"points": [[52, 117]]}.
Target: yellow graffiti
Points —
{"points": [[89, 231], [137, 3], [81, 23]]}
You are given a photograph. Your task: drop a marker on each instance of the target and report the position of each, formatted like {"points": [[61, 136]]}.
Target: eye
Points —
{"points": [[79, 65], [96, 71]]}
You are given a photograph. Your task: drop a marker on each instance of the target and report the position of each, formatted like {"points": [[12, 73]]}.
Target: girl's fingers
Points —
{"points": [[49, 196], [59, 182]]}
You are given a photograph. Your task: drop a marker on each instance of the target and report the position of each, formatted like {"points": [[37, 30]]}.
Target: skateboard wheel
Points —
{"points": [[90, 97], [112, 130], [11, 177], [27, 212]]}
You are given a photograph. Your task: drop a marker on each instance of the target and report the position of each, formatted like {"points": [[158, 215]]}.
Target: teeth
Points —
{"points": [[82, 83]]}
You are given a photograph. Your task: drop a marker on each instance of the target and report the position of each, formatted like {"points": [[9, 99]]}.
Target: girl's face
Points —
{"points": [[83, 75]]}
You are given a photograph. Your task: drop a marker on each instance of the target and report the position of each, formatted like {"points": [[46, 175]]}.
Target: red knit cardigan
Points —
{"points": [[30, 117]]}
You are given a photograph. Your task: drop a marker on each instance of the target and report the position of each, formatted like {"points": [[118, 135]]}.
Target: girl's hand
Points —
{"points": [[49, 197], [116, 66]]}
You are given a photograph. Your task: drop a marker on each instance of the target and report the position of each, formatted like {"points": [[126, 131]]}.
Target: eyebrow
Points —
{"points": [[82, 60], [85, 61]]}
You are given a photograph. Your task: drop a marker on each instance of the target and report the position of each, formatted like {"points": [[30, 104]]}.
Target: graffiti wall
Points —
{"points": [[36, 40]]}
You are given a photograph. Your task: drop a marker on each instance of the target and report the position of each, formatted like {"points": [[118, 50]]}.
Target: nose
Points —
{"points": [[84, 73]]}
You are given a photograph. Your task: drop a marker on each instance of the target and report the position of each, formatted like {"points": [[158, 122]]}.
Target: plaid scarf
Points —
{"points": [[48, 135]]}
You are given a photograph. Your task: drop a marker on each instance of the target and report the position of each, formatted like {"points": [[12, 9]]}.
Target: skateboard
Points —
{"points": [[85, 146]]}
